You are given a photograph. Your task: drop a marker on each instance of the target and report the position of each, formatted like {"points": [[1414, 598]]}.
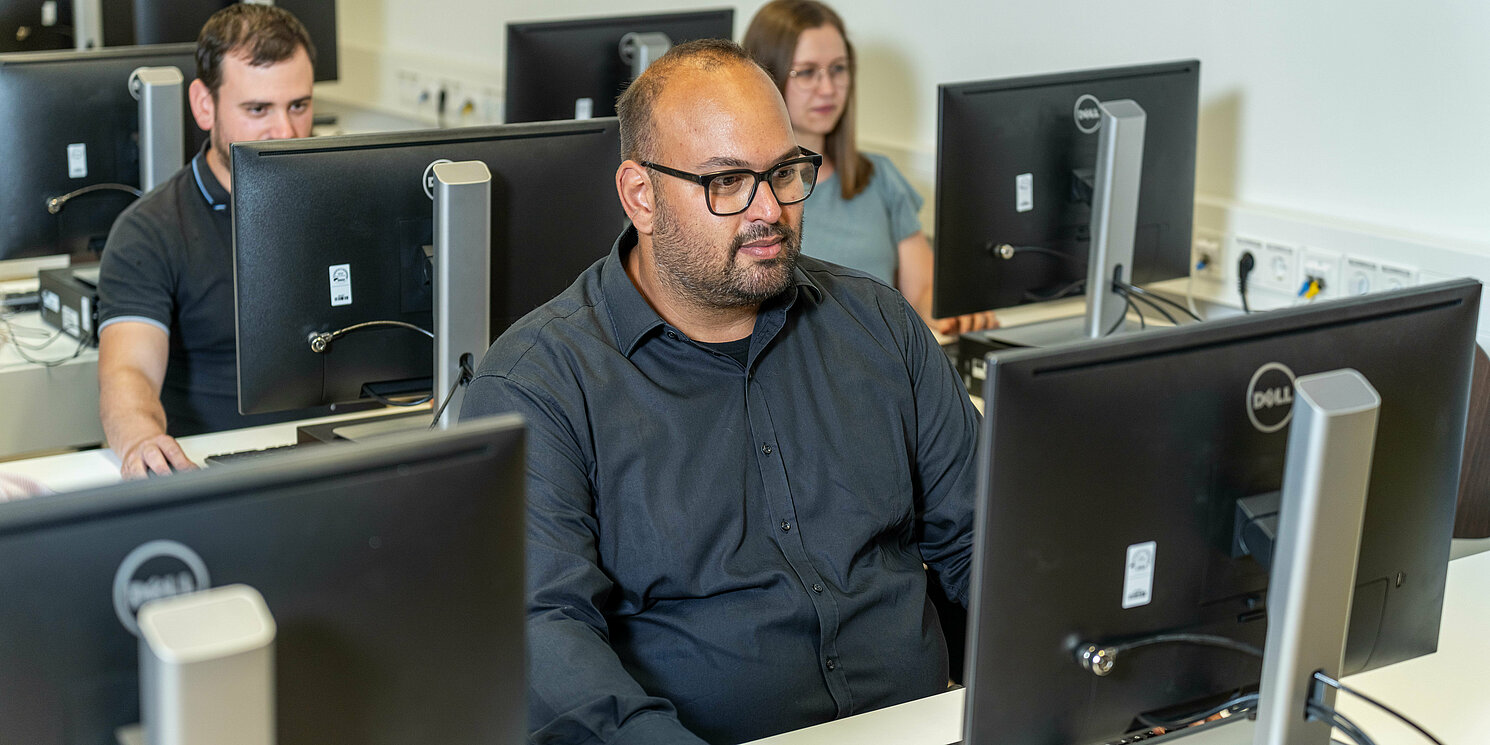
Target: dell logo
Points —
{"points": [[1270, 397], [155, 570], [1087, 113]]}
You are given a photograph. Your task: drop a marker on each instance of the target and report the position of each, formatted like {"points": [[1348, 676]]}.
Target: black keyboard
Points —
{"points": [[246, 456]]}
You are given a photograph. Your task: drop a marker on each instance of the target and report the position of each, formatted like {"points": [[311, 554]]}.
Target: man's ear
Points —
{"points": [[634, 186], [203, 107]]}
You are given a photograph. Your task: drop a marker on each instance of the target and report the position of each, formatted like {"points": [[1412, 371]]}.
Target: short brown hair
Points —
{"points": [[634, 106], [265, 34], [772, 40]]}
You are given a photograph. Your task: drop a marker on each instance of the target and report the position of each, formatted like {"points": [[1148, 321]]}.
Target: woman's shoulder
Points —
{"points": [[888, 181]]}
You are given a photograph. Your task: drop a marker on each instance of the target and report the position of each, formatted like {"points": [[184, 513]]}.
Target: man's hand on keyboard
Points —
{"points": [[153, 456]]}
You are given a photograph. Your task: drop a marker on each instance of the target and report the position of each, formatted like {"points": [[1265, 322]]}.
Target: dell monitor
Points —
{"points": [[393, 571], [1020, 191], [1098, 453], [575, 69], [353, 212], [71, 123], [170, 21]]}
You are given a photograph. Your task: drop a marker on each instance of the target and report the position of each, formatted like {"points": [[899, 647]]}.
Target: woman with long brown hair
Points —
{"points": [[863, 213]]}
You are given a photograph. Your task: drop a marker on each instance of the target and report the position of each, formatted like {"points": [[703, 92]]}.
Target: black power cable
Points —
{"points": [[467, 374], [1337, 685], [1244, 269], [1156, 296]]}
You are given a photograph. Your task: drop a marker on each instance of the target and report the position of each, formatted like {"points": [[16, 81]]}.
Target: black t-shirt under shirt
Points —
{"points": [[739, 349], [168, 262]]}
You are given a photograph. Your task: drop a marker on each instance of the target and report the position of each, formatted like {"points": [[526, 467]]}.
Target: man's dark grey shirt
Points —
{"points": [[169, 263], [734, 550]]}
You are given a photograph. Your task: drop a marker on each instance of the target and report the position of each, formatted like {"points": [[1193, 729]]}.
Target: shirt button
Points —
{"points": [[786, 527], [766, 448], [817, 587], [672, 335], [832, 664]]}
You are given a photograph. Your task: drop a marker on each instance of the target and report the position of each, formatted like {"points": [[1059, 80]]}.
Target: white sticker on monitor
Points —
{"points": [[77, 160], [1138, 576], [1024, 192], [341, 284], [584, 108]]}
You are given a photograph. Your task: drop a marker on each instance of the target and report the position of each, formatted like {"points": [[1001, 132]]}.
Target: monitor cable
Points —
{"points": [[1007, 251], [467, 374], [1150, 295], [1319, 712], [1244, 267], [1238, 705], [55, 204], [1099, 659], [320, 343], [1142, 322], [10, 333], [1140, 296], [1337, 685]]}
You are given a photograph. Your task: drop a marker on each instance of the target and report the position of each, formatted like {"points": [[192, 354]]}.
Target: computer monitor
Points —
{"points": [[70, 122], [303, 208], [168, 21], [1016, 166], [1092, 451], [575, 69], [26, 27], [393, 571]]}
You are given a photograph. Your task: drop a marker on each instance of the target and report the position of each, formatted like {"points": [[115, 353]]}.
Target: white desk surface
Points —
{"points": [[45, 408], [1447, 692], [88, 468]]}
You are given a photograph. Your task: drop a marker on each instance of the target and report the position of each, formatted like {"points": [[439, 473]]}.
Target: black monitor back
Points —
{"points": [[394, 572], [993, 132], [51, 101], [552, 64], [168, 21], [301, 207], [1093, 448], [21, 28]]}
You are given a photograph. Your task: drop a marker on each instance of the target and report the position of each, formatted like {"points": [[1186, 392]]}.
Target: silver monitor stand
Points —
{"points": [[160, 91], [1323, 505], [1114, 224]]}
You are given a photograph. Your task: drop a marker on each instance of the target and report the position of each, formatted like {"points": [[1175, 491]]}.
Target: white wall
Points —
{"points": [[1363, 111]]}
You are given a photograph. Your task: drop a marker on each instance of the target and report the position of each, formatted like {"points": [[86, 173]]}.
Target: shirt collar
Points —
{"points": [[207, 184], [632, 317]]}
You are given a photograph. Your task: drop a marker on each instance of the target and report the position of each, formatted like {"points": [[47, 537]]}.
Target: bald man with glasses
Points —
{"points": [[741, 461]]}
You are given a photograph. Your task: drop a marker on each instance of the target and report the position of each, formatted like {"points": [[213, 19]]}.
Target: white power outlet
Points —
{"points": [[1396, 276], [1278, 268], [1324, 265], [1360, 277]]}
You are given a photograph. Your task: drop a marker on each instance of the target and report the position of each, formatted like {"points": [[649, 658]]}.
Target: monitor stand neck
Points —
{"points": [[1114, 223], [160, 91], [1323, 505], [462, 281]]}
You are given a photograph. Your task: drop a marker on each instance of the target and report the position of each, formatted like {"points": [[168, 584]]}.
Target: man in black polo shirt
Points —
{"points": [[166, 351], [741, 461]]}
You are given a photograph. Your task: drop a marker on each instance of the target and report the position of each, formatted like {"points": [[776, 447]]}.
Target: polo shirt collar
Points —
{"points": [[632, 317], [208, 186]]}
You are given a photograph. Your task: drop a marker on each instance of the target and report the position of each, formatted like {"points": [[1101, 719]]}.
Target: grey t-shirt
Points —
{"points": [[169, 263], [865, 232]]}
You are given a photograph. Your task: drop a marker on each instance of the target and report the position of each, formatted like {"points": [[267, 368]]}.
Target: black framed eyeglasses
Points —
{"points": [[730, 192]]}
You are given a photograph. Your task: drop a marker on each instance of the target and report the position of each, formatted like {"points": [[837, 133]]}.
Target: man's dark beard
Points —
{"points": [[683, 263]]}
